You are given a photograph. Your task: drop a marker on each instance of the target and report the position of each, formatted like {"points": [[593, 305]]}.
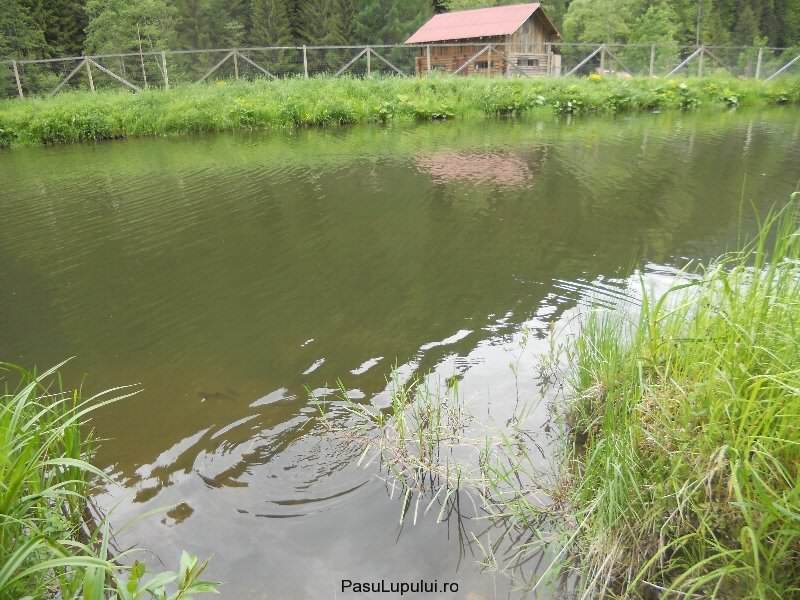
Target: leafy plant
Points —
{"points": [[45, 471]]}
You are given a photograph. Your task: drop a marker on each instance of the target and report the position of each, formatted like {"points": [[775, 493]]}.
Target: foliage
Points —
{"points": [[327, 102], [720, 22], [271, 26], [62, 22], [19, 35], [207, 24], [47, 549], [121, 26], [45, 28], [599, 20]]}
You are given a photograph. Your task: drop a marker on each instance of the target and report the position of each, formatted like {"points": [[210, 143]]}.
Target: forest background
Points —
{"points": [[32, 29]]}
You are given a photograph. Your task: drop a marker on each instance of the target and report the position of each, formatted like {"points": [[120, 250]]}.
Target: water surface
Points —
{"points": [[234, 276]]}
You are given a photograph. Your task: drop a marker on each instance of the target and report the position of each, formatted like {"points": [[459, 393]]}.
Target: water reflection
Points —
{"points": [[502, 168], [235, 278]]}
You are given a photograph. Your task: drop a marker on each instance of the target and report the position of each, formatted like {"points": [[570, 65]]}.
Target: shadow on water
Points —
{"points": [[232, 274]]}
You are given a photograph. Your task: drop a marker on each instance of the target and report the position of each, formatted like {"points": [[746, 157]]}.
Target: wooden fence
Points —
{"points": [[137, 71]]}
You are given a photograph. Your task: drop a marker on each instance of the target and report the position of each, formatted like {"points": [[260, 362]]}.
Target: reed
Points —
{"points": [[334, 102]]}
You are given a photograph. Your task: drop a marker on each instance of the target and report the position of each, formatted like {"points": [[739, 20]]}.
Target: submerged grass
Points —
{"points": [[680, 476], [331, 102], [50, 545]]}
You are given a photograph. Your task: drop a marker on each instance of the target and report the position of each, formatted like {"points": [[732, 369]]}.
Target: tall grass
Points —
{"points": [[333, 102], [686, 423], [49, 544]]}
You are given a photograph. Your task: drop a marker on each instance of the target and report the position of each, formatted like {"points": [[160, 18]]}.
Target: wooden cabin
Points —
{"points": [[522, 33]]}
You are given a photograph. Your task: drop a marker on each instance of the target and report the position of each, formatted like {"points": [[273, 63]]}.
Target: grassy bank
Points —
{"points": [[327, 102], [51, 545], [687, 432]]}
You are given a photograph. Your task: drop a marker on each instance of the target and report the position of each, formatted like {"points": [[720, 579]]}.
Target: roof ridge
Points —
{"points": [[465, 10]]}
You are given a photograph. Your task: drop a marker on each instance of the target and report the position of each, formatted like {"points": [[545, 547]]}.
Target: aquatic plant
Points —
{"points": [[333, 102], [413, 440], [51, 543]]}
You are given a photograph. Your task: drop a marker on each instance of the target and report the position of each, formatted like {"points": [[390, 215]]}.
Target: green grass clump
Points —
{"points": [[49, 548], [686, 456], [333, 102]]}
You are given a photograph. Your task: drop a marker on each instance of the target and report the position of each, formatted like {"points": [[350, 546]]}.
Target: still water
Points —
{"points": [[234, 277]]}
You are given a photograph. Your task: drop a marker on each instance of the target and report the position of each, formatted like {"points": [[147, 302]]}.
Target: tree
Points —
{"points": [[658, 24], [270, 25], [120, 26], [389, 22], [746, 29], [607, 21], [62, 22], [343, 21], [19, 36], [715, 32], [209, 23], [315, 20], [790, 12]]}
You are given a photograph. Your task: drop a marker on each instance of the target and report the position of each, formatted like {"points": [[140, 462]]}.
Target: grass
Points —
{"points": [[686, 432], [414, 440], [332, 102], [680, 475], [50, 547]]}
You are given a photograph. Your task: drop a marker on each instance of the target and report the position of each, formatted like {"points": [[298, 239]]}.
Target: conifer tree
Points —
{"points": [[270, 24], [746, 29], [19, 35]]}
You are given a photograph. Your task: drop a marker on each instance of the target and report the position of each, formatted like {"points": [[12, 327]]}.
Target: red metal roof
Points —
{"points": [[480, 22]]}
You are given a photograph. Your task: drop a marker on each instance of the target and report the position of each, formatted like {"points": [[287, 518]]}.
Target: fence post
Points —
{"points": [[369, 62], [603, 59], [758, 62], [236, 64], [16, 78], [428, 56], [89, 74], [305, 61], [652, 59], [164, 69], [700, 61]]}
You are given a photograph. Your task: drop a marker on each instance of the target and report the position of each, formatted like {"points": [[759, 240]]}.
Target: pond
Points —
{"points": [[236, 277]]}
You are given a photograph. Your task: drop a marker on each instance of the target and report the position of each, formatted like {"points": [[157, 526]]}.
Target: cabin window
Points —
{"points": [[482, 65], [528, 62]]}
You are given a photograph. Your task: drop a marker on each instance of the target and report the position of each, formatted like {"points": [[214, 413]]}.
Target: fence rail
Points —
{"points": [[137, 71]]}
